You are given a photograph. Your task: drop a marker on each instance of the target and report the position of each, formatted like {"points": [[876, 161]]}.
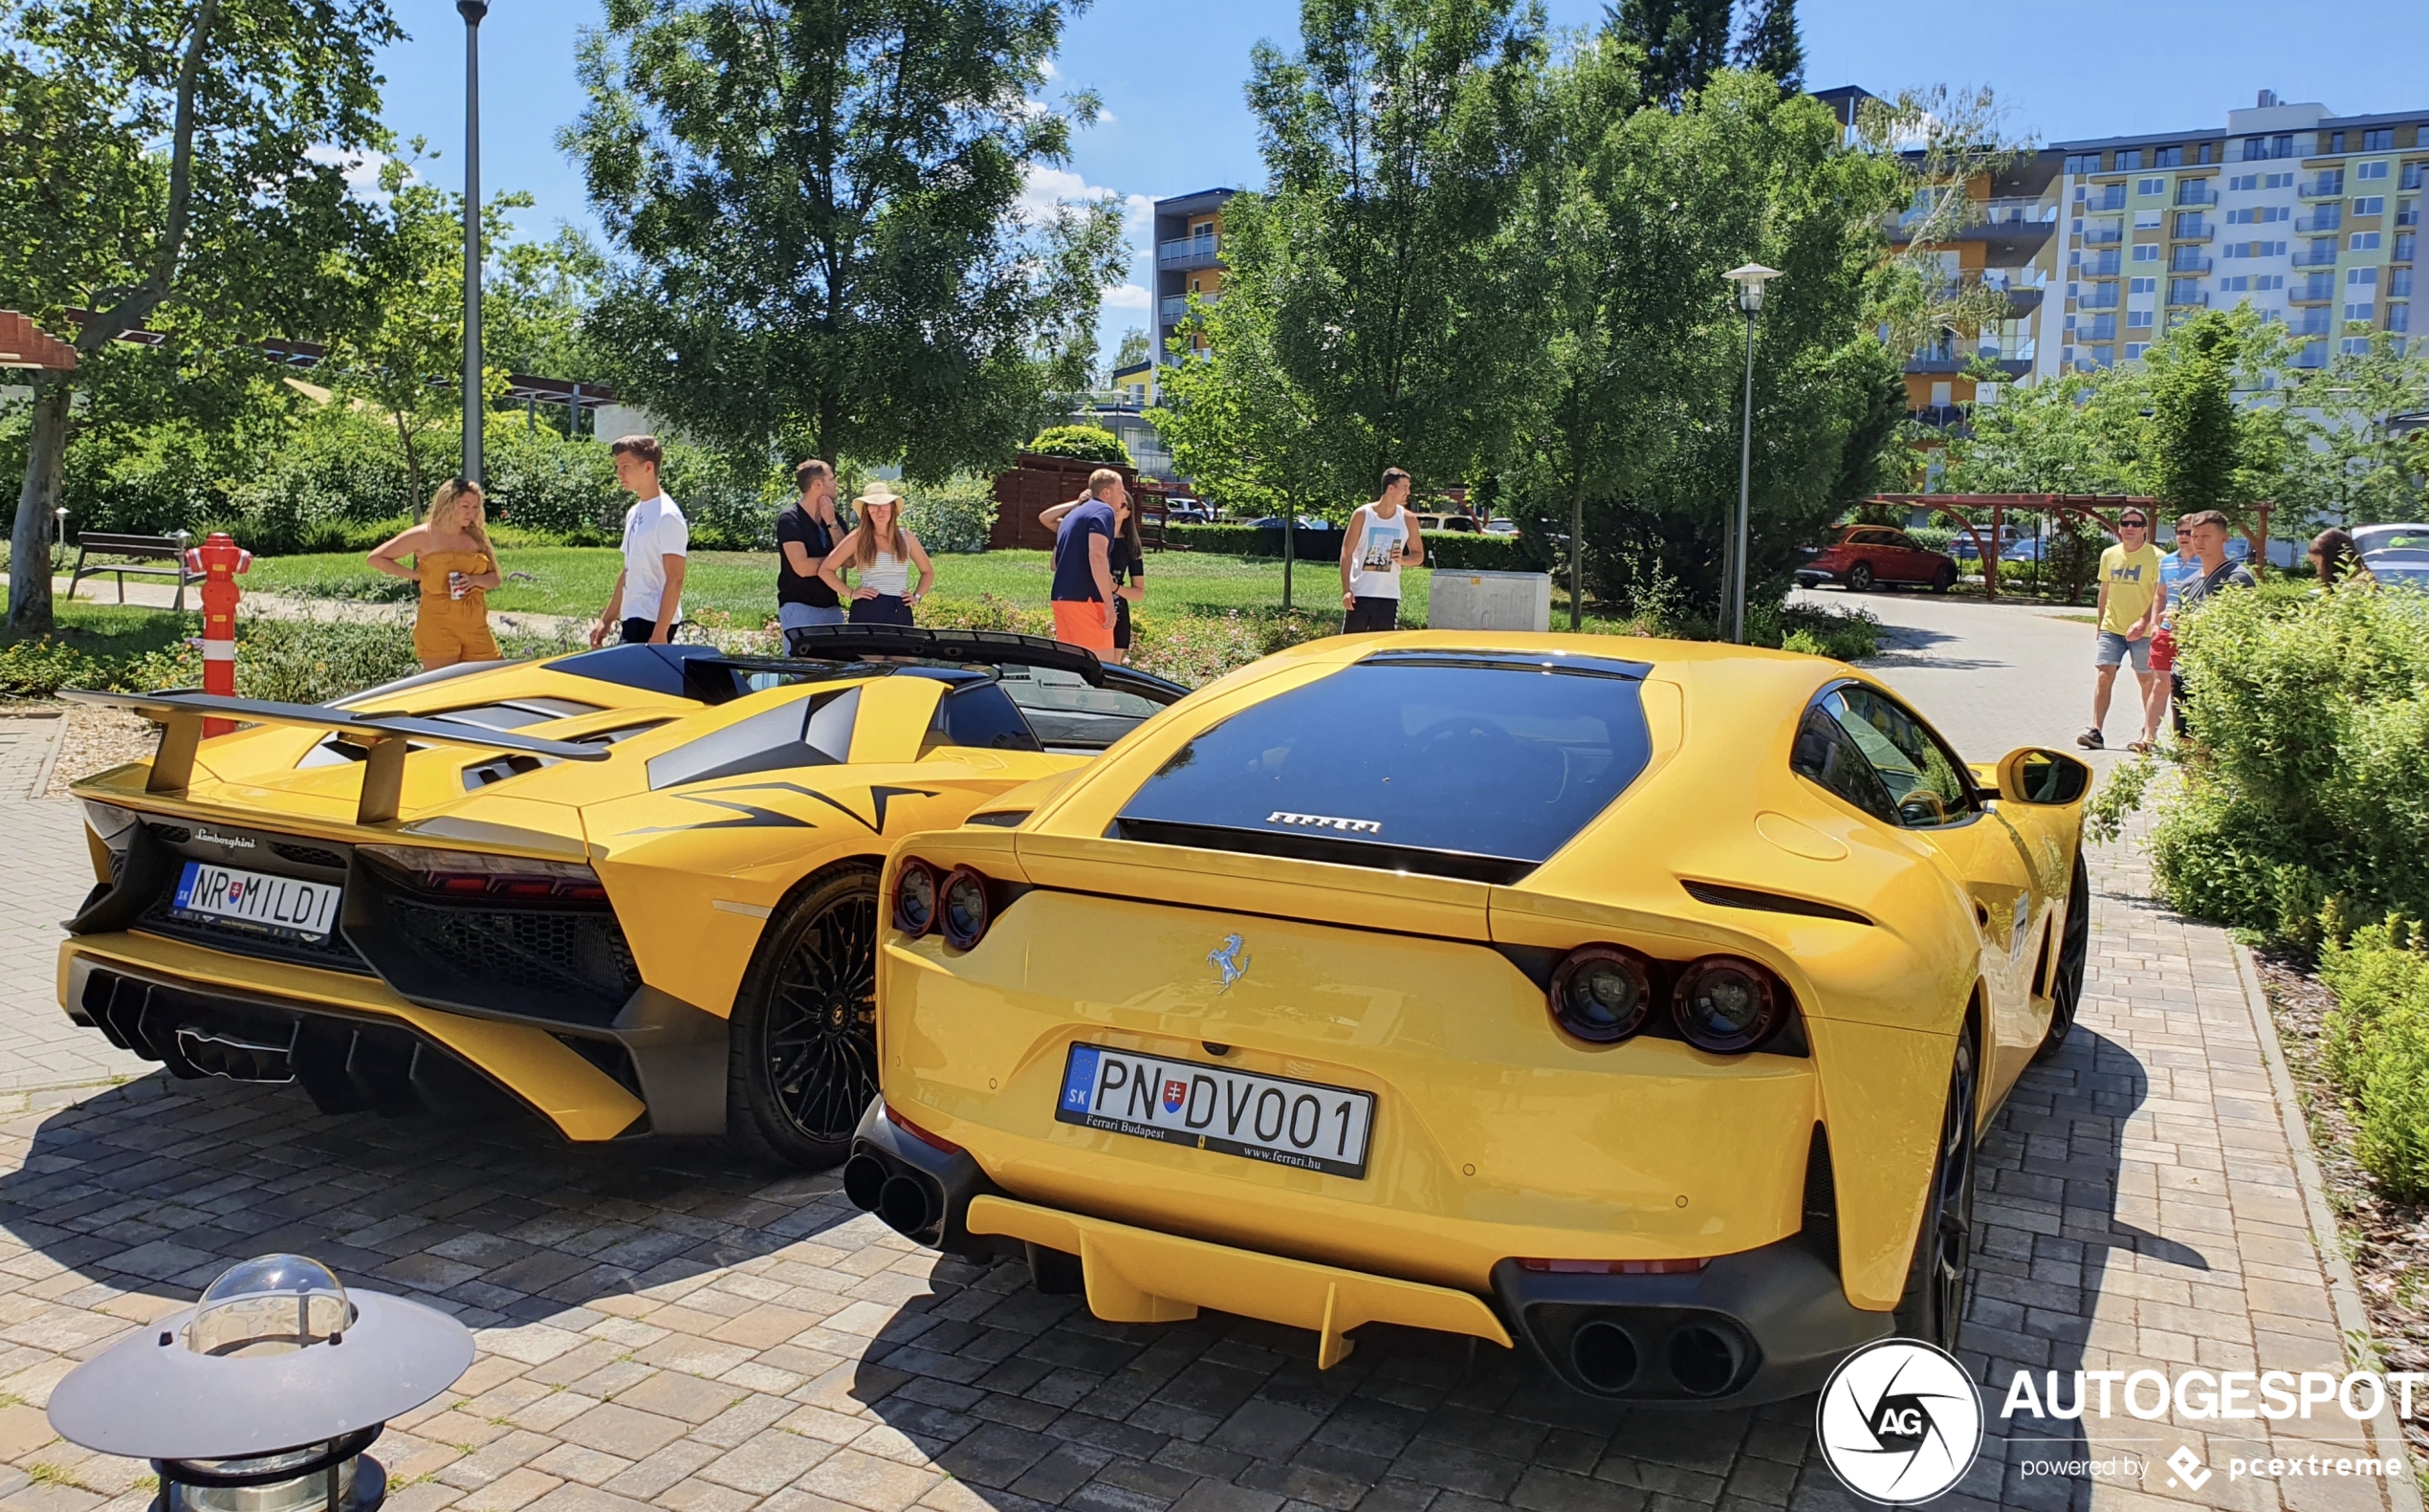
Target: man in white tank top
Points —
{"points": [[1382, 538]]}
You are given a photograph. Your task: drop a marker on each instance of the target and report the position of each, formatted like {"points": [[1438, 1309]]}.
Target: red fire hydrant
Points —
{"points": [[219, 559]]}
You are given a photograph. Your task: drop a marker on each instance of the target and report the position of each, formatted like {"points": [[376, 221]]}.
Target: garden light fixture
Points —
{"points": [[1749, 279], [264, 1396]]}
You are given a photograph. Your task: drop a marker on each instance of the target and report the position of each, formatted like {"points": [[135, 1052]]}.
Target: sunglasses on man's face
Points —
{"points": [[2133, 524]]}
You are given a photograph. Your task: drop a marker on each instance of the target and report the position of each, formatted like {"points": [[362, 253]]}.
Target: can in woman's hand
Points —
{"points": [[458, 585]]}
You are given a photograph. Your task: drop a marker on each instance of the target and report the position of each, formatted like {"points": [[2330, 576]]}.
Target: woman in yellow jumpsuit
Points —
{"points": [[454, 563]]}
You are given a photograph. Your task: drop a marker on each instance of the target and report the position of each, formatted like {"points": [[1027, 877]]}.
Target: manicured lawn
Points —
{"points": [[113, 630], [574, 580]]}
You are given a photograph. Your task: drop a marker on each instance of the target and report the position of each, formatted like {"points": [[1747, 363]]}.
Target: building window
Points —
{"points": [[2104, 354], [2135, 349], [2399, 283], [2146, 251], [2335, 142], [2362, 276], [2149, 186], [2168, 158], [2398, 317], [2380, 138], [2371, 170], [2142, 285], [2407, 212], [2138, 320], [2404, 245], [2129, 160], [2242, 182], [2083, 162], [2372, 205], [2363, 311], [2259, 214], [2412, 176], [2146, 220], [2354, 346], [2363, 241]]}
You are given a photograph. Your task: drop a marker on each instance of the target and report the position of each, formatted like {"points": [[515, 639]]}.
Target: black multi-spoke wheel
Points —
{"points": [[1940, 1276], [804, 1056], [1859, 577], [2074, 947]]}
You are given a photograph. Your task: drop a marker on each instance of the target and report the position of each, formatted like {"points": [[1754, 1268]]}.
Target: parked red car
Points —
{"points": [[1864, 557]]}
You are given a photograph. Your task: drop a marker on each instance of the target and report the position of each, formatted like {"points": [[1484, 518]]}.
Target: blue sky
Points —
{"points": [[1170, 77]]}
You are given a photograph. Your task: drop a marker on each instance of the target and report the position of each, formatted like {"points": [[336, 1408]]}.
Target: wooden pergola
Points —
{"points": [[2099, 509]]}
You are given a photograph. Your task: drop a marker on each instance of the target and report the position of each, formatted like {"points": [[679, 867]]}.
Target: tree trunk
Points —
{"points": [[29, 542]]}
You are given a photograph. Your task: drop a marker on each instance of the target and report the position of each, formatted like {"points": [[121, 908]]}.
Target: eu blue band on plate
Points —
{"points": [[1080, 1077]]}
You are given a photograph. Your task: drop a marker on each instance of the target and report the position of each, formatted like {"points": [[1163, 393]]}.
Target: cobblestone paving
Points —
{"points": [[662, 1327]]}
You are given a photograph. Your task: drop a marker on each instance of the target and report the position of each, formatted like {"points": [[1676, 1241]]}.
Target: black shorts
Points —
{"points": [[1121, 625], [637, 632], [1370, 613], [883, 609]]}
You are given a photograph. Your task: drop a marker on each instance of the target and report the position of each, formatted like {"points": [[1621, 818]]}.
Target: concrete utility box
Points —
{"points": [[1490, 600]]}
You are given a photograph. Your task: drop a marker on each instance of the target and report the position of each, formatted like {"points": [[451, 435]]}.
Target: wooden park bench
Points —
{"points": [[169, 549]]}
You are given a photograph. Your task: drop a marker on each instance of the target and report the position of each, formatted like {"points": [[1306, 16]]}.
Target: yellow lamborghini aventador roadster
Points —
{"points": [[1642, 1001], [633, 889]]}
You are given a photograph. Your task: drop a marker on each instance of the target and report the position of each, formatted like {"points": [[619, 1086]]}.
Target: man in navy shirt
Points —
{"points": [[804, 534], [1083, 564]]}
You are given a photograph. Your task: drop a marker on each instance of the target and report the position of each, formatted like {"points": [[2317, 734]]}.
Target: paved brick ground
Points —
{"points": [[662, 1327]]}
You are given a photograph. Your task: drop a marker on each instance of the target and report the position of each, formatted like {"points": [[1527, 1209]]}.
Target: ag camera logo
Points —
{"points": [[1900, 1422]]}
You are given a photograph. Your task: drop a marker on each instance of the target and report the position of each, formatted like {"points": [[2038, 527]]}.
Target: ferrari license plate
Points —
{"points": [[1270, 1118], [281, 905]]}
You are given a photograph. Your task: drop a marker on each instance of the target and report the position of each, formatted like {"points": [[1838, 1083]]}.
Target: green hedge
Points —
{"points": [[1081, 444], [2306, 788], [2378, 1049], [1243, 540]]}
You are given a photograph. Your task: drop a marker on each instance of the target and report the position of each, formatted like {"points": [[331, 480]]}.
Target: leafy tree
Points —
{"points": [[1238, 428], [1636, 215], [2364, 476], [162, 166], [1395, 141], [2194, 434], [1684, 43], [534, 296], [818, 211], [1134, 349], [1772, 46]]}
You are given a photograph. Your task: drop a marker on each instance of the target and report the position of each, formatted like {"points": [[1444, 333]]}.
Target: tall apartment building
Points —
{"points": [[2313, 218], [1189, 258]]}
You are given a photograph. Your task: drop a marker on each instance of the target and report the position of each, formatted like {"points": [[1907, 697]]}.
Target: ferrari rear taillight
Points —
{"points": [[1727, 1004], [963, 907], [1602, 994], [915, 888]]}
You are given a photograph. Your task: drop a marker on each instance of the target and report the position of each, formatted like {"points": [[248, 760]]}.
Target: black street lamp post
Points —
{"points": [[473, 12], [1749, 279]]}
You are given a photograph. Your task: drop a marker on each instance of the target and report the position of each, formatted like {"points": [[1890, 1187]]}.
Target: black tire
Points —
{"points": [[2074, 948], [1945, 579], [803, 1060], [1939, 1278], [1859, 577]]}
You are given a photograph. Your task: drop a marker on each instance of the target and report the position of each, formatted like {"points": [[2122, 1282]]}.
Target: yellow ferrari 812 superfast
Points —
{"points": [[1640, 1001], [634, 891]]}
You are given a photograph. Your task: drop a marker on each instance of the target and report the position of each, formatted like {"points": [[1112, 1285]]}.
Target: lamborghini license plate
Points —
{"points": [[1270, 1118], [280, 906]]}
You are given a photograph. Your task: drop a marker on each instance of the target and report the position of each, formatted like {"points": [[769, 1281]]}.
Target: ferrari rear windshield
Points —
{"points": [[1457, 765]]}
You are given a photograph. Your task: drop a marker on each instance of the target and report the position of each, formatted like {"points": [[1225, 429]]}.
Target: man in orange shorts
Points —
{"points": [[1083, 564]]}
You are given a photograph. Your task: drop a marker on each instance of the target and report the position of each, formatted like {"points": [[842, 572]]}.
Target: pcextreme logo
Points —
{"points": [[1899, 1422]]}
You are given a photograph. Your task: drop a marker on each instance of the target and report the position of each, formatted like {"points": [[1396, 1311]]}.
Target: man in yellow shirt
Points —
{"points": [[2131, 599]]}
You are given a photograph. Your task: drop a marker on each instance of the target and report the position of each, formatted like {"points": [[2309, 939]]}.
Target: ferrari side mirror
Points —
{"points": [[2033, 775]]}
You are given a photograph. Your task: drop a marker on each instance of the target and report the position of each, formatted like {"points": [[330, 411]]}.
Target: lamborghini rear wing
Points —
{"points": [[384, 738]]}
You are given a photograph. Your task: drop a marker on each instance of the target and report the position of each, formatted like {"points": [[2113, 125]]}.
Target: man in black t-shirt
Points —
{"points": [[804, 534]]}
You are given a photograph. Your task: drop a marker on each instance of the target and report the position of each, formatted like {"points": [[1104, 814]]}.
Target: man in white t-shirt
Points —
{"points": [[1382, 538], [648, 598]]}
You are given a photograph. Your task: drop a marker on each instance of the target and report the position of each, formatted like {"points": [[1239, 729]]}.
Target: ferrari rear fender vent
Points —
{"points": [[1820, 1232], [1724, 896]]}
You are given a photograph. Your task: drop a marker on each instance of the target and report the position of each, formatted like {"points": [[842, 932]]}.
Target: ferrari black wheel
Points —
{"points": [[2074, 947], [1859, 577], [1940, 1276], [803, 1063]]}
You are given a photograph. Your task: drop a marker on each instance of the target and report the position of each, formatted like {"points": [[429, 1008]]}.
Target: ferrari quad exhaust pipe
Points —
{"points": [[906, 1201]]}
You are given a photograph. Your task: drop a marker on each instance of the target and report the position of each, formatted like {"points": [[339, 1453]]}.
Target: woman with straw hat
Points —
{"points": [[880, 554]]}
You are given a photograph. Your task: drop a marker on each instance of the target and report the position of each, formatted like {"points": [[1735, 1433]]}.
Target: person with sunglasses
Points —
{"points": [[2132, 597]]}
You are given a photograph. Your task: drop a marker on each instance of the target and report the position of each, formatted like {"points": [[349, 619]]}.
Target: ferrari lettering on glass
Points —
{"points": [[1305, 1125]]}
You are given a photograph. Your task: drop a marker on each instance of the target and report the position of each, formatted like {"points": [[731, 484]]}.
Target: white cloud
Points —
{"points": [[362, 168], [1127, 296], [1047, 68]]}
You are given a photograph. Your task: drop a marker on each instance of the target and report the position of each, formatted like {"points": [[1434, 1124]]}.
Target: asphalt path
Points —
{"points": [[1989, 675]]}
